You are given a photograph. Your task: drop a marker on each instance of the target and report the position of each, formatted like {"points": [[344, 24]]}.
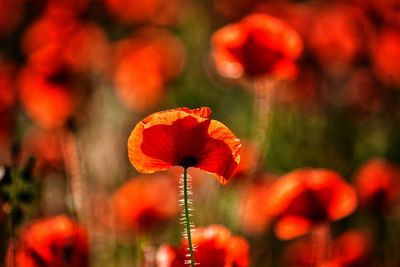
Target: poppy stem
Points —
{"points": [[187, 219], [70, 151], [264, 98]]}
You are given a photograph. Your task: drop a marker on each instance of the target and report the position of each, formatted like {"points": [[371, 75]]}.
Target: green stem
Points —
{"points": [[187, 221]]}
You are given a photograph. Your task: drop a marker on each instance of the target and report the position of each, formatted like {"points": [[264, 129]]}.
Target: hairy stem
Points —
{"points": [[187, 219]]}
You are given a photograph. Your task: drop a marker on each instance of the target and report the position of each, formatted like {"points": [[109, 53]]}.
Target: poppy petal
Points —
{"points": [[221, 155], [343, 202], [289, 227]]}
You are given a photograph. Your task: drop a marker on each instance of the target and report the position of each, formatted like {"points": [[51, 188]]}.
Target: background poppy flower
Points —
{"points": [[337, 49], [184, 137], [136, 206], [385, 56], [378, 185], [54, 242], [258, 45], [46, 96], [215, 247], [143, 66], [306, 197], [349, 249]]}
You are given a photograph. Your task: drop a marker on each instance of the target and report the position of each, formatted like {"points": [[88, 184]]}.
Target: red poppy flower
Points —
{"points": [[46, 97], [378, 185], [337, 49], [54, 242], [215, 247], [307, 197], [136, 206], [258, 45], [143, 66], [386, 55], [187, 138], [350, 249], [47, 30]]}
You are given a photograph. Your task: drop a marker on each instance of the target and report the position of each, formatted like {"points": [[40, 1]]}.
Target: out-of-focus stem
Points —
{"points": [[321, 242], [74, 171], [263, 90]]}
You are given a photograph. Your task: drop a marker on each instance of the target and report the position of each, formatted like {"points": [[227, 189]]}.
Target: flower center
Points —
{"points": [[187, 162]]}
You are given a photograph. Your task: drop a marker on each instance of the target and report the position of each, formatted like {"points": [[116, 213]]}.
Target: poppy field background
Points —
{"points": [[311, 89]]}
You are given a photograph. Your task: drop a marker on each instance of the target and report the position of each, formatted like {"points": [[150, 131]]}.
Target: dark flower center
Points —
{"points": [[187, 162]]}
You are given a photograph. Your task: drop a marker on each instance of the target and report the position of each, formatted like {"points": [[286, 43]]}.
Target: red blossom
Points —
{"points": [[385, 56], [187, 138], [53, 242], [258, 45], [350, 249], [337, 49], [378, 185], [141, 204], [306, 197], [215, 247], [46, 97], [143, 66]]}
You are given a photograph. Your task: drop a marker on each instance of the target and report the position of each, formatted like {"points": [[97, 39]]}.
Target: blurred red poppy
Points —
{"points": [[87, 49], [46, 97], [337, 49], [350, 249], [258, 45], [83, 47], [184, 137], [137, 207], [54, 242], [378, 185], [215, 247], [48, 30], [306, 197], [386, 55], [160, 12], [143, 66]]}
